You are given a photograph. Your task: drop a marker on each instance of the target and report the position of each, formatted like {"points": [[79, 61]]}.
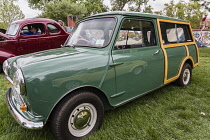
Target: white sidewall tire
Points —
{"points": [[77, 104]]}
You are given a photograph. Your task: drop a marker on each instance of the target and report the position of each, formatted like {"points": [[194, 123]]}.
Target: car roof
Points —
{"points": [[32, 20], [128, 13]]}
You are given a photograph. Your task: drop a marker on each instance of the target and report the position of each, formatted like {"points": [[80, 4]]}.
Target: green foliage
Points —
{"points": [[148, 9], [2, 25], [69, 7], [58, 10], [93, 6], [118, 5], [170, 9], [139, 5], [9, 12], [191, 11], [133, 5], [169, 113], [204, 3]]}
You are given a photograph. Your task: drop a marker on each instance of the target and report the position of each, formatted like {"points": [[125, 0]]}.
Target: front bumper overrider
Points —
{"points": [[25, 122]]}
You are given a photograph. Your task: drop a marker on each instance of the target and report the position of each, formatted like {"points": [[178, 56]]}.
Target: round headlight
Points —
{"points": [[18, 82], [6, 67]]}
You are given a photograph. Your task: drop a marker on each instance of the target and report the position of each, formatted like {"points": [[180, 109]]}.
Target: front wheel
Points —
{"points": [[185, 76], [77, 116]]}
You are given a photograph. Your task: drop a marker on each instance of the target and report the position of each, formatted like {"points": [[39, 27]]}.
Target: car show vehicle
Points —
{"points": [[109, 59], [16, 41]]}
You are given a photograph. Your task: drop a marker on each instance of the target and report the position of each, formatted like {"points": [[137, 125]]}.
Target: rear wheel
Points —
{"points": [[77, 116], [185, 76]]}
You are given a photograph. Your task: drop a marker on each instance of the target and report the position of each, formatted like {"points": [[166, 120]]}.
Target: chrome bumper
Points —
{"points": [[19, 118]]}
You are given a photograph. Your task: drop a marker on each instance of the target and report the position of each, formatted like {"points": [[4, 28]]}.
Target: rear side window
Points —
{"points": [[52, 28], [175, 33], [135, 34]]}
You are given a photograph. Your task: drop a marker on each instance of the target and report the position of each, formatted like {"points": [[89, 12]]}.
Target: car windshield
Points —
{"points": [[12, 29], [93, 33]]}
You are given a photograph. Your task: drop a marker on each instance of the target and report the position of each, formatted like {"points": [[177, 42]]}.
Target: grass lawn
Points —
{"points": [[168, 113]]}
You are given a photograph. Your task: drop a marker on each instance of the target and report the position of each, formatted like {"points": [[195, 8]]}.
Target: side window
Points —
{"points": [[33, 29], [135, 34], [52, 28], [175, 33]]}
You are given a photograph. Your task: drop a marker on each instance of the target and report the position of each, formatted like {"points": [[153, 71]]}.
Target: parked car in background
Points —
{"points": [[15, 41], [110, 59]]}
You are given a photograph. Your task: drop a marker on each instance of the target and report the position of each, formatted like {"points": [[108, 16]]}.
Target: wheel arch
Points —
{"points": [[91, 89], [189, 61]]}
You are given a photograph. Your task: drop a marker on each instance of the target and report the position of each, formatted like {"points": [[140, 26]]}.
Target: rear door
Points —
{"points": [[178, 46], [137, 58], [57, 36]]}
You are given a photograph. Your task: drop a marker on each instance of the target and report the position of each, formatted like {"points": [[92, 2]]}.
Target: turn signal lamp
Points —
{"points": [[8, 83], [23, 107]]}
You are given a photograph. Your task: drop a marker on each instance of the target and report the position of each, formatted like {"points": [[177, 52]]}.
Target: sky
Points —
{"points": [[30, 13]]}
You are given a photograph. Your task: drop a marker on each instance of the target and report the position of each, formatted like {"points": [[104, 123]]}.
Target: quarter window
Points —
{"points": [[175, 33], [135, 34], [52, 28]]}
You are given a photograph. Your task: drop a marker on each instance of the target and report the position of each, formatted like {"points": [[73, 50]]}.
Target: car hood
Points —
{"points": [[49, 55], [62, 60]]}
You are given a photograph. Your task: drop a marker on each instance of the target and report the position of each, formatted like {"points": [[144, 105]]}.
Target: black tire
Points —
{"points": [[77, 116], [185, 76]]}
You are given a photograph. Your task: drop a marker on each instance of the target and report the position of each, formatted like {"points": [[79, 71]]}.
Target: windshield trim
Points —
{"points": [[92, 18]]}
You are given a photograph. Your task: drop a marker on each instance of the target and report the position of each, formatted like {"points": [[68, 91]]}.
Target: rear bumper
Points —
{"points": [[22, 120]]}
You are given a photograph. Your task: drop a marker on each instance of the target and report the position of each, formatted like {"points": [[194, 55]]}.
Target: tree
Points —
{"points": [[148, 9], [159, 12], [9, 12], [191, 11], [140, 6], [180, 9], [58, 10], [170, 9], [194, 14], [91, 6], [133, 5], [118, 5], [204, 3]]}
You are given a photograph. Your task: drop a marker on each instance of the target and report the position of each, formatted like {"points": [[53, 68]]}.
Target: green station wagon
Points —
{"points": [[110, 59]]}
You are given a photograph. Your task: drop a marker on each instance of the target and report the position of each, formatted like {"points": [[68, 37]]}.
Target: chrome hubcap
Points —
{"points": [[82, 119]]}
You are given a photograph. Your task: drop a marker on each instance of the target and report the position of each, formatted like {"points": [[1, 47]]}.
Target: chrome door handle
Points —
{"points": [[156, 52]]}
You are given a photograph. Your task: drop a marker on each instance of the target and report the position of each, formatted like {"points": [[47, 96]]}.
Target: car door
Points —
{"points": [[137, 58], [178, 45], [57, 36], [33, 43]]}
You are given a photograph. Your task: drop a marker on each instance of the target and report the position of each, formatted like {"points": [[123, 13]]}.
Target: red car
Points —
{"points": [[16, 41]]}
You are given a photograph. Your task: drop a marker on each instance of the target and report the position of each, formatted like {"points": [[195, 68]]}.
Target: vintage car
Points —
{"points": [[15, 42], [108, 60]]}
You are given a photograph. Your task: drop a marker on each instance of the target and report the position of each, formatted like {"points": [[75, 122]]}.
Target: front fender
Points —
{"points": [[4, 55]]}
